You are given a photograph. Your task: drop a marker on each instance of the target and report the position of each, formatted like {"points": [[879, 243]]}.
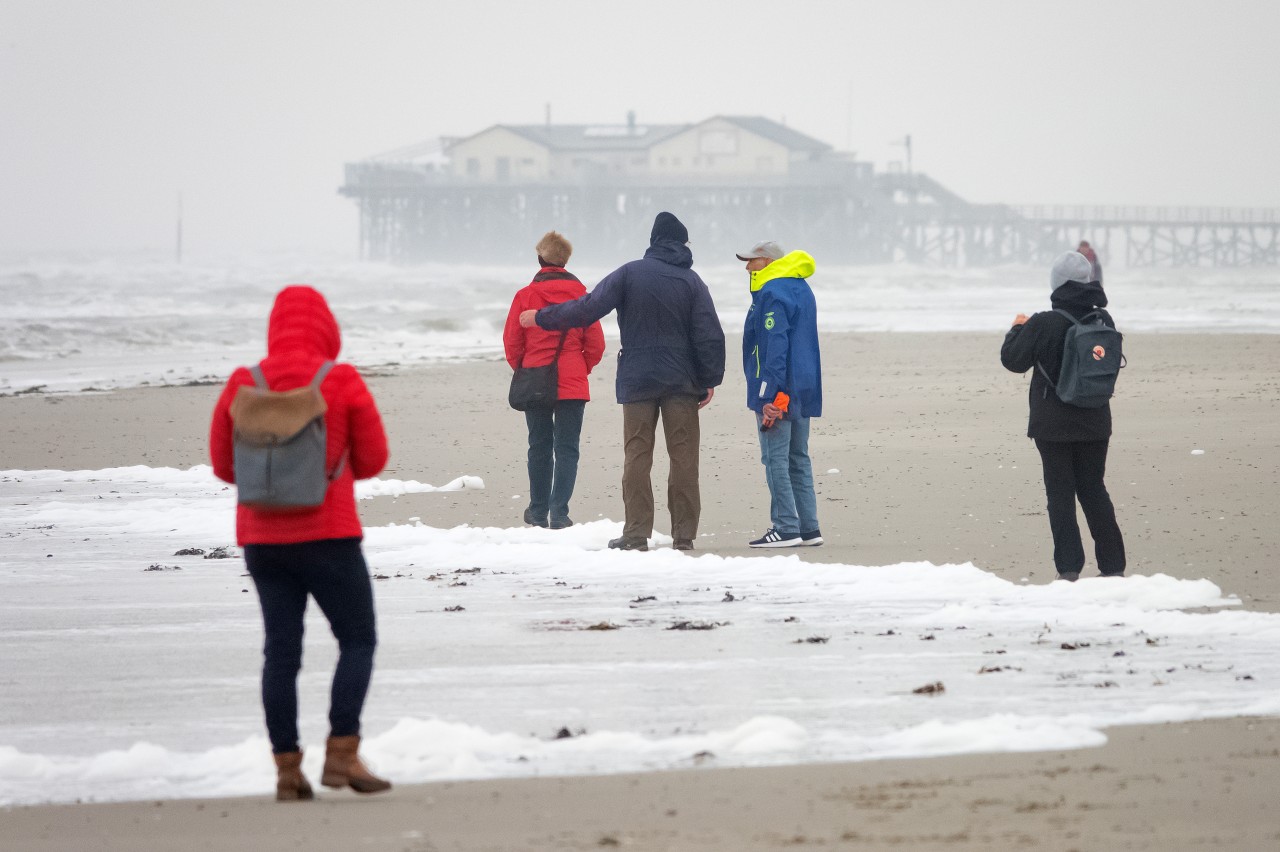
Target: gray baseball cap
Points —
{"points": [[766, 248]]}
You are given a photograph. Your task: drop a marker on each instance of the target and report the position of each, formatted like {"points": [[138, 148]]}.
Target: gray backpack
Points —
{"points": [[279, 441], [1091, 362]]}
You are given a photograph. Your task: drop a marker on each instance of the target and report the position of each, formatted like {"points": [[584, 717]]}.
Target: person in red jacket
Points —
{"points": [[553, 433], [314, 552]]}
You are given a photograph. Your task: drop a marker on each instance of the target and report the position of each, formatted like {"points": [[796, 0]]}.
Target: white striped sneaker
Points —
{"points": [[773, 538]]}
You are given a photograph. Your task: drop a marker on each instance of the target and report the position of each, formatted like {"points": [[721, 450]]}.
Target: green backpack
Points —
{"points": [[1091, 362]]}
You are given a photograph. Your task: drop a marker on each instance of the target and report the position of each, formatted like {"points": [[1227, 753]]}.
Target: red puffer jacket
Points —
{"points": [[302, 335], [535, 347]]}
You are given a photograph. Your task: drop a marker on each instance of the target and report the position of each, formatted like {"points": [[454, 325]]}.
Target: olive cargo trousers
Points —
{"points": [[680, 426]]}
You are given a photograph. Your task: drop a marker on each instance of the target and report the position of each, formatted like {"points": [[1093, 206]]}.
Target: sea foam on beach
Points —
{"points": [[132, 672]]}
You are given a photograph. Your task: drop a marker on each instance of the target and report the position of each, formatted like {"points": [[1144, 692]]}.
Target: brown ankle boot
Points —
{"points": [[343, 767], [291, 784]]}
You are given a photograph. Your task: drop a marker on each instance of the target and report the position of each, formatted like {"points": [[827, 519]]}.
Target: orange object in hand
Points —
{"points": [[782, 402]]}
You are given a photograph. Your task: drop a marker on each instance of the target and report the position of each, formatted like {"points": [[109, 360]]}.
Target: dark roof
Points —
{"points": [[780, 133], [595, 137], [640, 137]]}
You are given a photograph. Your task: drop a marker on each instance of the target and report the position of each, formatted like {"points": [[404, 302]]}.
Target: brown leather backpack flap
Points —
{"points": [[269, 417]]}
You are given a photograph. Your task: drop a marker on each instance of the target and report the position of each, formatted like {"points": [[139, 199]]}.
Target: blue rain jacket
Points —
{"points": [[780, 338]]}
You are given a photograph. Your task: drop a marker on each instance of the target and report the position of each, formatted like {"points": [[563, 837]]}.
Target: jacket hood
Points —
{"points": [[301, 323], [667, 227], [670, 251], [556, 285], [1079, 295], [797, 264]]}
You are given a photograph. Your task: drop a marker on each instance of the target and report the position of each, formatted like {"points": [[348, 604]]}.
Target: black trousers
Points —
{"points": [[1074, 470], [332, 571]]}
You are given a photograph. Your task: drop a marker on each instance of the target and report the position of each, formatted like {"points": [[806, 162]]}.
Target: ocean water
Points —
{"points": [[71, 324]]}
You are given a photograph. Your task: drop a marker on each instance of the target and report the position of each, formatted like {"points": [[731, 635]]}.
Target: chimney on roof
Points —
{"points": [[631, 122]]}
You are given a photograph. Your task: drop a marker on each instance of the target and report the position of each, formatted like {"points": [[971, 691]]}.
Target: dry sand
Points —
{"points": [[925, 433]]}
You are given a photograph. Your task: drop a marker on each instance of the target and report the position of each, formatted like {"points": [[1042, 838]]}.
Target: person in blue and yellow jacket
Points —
{"points": [[783, 367]]}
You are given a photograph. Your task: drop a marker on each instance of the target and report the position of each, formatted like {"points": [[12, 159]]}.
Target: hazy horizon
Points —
{"points": [[251, 110]]}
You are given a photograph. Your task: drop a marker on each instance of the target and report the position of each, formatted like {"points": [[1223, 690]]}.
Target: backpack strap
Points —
{"points": [[316, 381], [259, 379], [318, 378], [342, 464]]}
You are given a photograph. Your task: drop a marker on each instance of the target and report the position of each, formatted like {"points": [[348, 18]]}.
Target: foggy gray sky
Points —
{"points": [[109, 107]]}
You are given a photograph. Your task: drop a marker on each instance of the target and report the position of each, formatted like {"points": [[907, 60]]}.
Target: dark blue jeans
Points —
{"points": [[332, 571], [553, 457]]}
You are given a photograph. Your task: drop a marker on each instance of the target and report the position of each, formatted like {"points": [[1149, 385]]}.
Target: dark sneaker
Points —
{"points": [[773, 538], [1070, 577], [624, 543], [533, 520], [561, 523], [812, 538], [682, 544]]}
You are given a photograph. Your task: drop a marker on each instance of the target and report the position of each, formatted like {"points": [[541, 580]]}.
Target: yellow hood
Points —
{"points": [[797, 264]]}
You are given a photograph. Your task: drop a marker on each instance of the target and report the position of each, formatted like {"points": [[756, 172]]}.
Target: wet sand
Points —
{"points": [[922, 455]]}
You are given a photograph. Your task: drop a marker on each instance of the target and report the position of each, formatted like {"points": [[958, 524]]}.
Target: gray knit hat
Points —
{"points": [[1070, 266]]}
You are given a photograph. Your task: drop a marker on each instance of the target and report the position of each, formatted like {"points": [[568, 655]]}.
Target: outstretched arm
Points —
{"points": [[584, 310]]}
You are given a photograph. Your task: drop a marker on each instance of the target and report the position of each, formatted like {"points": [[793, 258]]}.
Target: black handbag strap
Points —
{"points": [[563, 335]]}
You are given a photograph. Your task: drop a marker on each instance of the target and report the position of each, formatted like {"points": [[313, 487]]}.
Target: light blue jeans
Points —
{"points": [[784, 451]]}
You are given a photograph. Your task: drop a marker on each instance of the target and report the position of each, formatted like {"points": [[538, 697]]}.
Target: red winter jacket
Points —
{"points": [[302, 335], [535, 347]]}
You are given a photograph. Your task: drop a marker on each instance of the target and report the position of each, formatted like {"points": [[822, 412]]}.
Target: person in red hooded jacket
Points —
{"points": [[314, 552], [553, 433]]}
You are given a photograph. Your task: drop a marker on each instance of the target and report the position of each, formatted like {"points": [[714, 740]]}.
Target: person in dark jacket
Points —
{"points": [[553, 432], [671, 361], [315, 552], [1072, 441], [780, 354]]}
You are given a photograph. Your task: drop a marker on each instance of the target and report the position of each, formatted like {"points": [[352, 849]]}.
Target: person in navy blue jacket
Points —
{"points": [[670, 362], [780, 355]]}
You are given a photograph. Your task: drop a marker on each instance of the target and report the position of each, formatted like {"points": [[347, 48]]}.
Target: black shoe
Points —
{"points": [[534, 520], [773, 538], [1070, 576], [682, 544], [624, 543], [812, 538], [561, 523]]}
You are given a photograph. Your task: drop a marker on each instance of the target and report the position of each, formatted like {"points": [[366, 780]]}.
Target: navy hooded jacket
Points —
{"points": [[672, 342]]}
